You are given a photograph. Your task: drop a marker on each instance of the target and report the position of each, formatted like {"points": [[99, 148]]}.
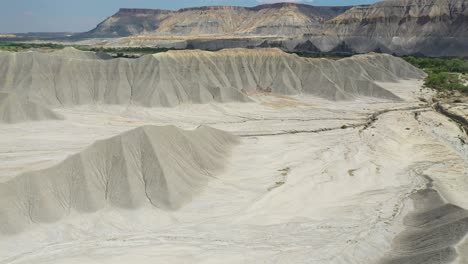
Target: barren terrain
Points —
{"points": [[282, 178]]}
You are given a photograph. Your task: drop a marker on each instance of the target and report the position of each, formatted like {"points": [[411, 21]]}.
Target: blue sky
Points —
{"points": [[83, 15]]}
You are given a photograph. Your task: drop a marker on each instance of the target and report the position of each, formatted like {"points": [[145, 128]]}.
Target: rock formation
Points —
{"points": [[276, 19], [428, 27], [433, 27]]}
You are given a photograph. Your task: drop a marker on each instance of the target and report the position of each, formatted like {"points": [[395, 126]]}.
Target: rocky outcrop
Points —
{"points": [[404, 18], [307, 46], [428, 27], [277, 19]]}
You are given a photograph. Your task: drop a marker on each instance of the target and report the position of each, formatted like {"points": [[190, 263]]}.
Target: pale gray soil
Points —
{"points": [[282, 178]]}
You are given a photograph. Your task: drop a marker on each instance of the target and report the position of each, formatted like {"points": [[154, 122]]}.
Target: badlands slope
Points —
{"points": [[163, 166], [177, 77], [14, 109], [289, 160]]}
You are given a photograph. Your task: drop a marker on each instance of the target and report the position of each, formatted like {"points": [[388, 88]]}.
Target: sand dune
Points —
{"points": [[178, 77], [14, 109], [162, 166]]}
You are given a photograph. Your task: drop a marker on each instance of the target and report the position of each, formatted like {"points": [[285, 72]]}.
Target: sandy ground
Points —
{"points": [[312, 181]]}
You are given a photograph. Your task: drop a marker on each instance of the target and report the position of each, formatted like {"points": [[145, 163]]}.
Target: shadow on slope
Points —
{"points": [[433, 230], [193, 76], [161, 166], [14, 110]]}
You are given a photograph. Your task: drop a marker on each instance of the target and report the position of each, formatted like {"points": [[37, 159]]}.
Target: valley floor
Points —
{"points": [[312, 181]]}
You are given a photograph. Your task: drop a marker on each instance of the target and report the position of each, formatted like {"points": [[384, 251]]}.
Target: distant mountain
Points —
{"points": [[275, 19], [414, 26], [429, 27]]}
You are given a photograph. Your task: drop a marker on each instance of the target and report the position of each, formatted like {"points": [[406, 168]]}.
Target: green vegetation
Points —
{"points": [[130, 49], [334, 56], [14, 46], [443, 73], [118, 52], [129, 52], [134, 52]]}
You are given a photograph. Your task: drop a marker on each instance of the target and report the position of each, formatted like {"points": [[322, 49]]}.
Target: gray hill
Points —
{"points": [[14, 109], [161, 166], [178, 77]]}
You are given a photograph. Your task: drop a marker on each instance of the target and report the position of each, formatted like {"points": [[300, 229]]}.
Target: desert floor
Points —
{"points": [[312, 181]]}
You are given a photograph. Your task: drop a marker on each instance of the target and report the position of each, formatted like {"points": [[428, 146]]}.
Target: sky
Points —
{"points": [[19, 16]]}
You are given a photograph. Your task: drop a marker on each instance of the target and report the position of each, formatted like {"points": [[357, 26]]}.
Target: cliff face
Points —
{"points": [[429, 27], [431, 18], [128, 22], [276, 19], [406, 26]]}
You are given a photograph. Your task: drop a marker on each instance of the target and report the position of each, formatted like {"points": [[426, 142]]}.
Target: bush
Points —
{"points": [[442, 73], [439, 64], [436, 80]]}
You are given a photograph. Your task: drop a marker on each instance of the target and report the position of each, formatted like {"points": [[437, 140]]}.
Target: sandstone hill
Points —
{"points": [[405, 26], [428, 27], [276, 19]]}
